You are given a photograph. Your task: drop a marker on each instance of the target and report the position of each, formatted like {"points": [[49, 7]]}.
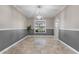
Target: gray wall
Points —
{"points": [[8, 37], [12, 25], [48, 32], [70, 37], [69, 26]]}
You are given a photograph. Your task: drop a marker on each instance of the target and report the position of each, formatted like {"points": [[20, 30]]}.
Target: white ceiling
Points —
{"points": [[45, 10]]}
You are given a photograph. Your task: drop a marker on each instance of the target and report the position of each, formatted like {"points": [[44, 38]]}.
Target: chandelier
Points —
{"points": [[38, 16]]}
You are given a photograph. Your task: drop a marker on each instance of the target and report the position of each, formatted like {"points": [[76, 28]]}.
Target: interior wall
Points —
{"points": [[69, 26], [49, 25], [72, 16], [12, 26], [11, 18]]}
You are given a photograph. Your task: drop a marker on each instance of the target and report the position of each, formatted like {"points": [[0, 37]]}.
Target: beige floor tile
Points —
{"points": [[39, 45]]}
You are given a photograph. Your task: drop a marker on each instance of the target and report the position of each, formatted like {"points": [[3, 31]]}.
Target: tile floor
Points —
{"points": [[39, 45]]}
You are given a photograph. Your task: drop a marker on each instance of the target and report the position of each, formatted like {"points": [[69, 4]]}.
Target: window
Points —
{"points": [[40, 26]]}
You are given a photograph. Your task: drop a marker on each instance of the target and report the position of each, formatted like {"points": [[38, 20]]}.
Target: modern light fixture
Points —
{"points": [[39, 17], [39, 23]]}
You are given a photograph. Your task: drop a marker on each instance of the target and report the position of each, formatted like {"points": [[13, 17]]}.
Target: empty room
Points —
{"points": [[39, 29]]}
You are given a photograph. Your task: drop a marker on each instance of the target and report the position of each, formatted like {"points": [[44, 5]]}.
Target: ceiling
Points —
{"points": [[43, 10]]}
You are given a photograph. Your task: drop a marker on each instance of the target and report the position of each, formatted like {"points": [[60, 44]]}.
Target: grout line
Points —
{"points": [[14, 29], [1, 52], [71, 29], [69, 47], [11, 29]]}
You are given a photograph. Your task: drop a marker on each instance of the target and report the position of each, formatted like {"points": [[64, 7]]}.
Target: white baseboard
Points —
{"points": [[70, 29], [40, 35], [31, 36], [1, 52], [69, 46]]}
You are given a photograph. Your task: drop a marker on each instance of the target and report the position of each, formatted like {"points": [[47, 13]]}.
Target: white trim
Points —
{"points": [[69, 46], [11, 29], [70, 29], [20, 10], [61, 10], [40, 36], [1, 52]]}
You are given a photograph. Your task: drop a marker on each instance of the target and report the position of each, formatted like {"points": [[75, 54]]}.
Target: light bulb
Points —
{"points": [[39, 17]]}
